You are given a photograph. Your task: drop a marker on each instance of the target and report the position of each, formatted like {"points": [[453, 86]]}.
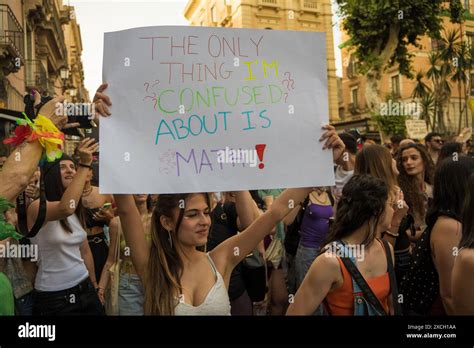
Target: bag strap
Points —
{"points": [[22, 214], [393, 281], [117, 248], [359, 279]]}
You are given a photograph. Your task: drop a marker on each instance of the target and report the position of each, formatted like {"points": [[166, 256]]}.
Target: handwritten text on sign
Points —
{"points": [[214, 109]]}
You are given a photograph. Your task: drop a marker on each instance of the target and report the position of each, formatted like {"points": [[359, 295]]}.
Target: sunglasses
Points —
{"points": [[439, 141]]}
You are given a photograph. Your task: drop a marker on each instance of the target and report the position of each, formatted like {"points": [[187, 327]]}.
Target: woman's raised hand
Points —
{"points": [[332, 141], [86, 149], [51, 110], [102, 101]]}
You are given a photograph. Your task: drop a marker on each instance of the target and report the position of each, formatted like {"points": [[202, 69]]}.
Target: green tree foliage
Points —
{"points": [[381, 31]]}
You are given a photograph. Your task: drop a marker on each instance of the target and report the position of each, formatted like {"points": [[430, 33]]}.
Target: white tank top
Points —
{"points": [[216, 303], [60, 264]]}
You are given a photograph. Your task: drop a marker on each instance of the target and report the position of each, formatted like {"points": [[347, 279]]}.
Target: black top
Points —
{"points": [[224, 226], [403, 241], [90, 222]]}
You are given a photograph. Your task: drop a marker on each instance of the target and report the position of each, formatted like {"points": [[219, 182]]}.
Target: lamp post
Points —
{"points": [[64, 74]]}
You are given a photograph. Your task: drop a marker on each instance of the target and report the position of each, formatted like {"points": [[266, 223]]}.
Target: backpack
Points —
{"points": [[366, 302], [420, 284]]}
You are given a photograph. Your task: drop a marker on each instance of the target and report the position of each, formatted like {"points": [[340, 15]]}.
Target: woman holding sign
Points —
{"points": [[178, 278]]}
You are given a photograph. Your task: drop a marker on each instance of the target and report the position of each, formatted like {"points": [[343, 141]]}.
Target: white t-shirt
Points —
{"points": [[341, 178], [60, 264]]}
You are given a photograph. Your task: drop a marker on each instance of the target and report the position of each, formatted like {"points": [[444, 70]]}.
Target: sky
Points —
{"points": [[97, 17]]}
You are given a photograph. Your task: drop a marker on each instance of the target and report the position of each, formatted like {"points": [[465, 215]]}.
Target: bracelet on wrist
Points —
{"points": [[85, 165]]}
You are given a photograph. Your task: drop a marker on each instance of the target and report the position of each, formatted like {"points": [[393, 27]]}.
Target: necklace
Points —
{"points": [[317, 197]]}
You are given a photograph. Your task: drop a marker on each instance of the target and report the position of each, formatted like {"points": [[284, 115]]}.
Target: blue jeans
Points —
{"points": [[131, 295], [303, 261], [24, 304]]}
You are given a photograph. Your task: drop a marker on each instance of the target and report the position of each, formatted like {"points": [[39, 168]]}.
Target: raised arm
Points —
{"points": [[132, 228], [247, 210], [70, 199], [23, 161], [16, 173], [288, 220], [234, 249]]}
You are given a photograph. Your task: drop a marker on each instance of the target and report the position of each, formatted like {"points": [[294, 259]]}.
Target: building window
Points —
{"points": [[355, 66], [467, 5], [310, 4], [470, 38], [396, 85], [355, 97]]}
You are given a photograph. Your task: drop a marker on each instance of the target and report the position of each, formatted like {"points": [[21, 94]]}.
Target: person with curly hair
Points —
{"points": [[415, 179]]}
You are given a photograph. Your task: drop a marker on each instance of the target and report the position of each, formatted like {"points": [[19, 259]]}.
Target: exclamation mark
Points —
{"points": [[260, 148]]}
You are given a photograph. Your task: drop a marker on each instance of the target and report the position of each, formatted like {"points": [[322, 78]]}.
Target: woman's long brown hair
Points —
{"points": [[162, 279], [412, 193], [376, 160]]}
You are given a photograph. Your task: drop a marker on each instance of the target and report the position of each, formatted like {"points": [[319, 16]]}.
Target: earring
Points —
{"points": [[170, 239]]}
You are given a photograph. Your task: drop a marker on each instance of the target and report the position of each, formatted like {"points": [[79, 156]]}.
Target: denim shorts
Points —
{"points": [[131, 295], [303, 260]]}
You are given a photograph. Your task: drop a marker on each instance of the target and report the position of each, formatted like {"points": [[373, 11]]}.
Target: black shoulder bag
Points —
{"points": [[22, 216]]}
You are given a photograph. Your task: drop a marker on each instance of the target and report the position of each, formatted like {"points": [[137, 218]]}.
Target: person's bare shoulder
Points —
{"points": [[445, 227], [465, 260], [327, 262]]}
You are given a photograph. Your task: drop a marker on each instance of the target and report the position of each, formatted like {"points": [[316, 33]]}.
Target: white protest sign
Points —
{"points": [[416, 129], [200, 109]]}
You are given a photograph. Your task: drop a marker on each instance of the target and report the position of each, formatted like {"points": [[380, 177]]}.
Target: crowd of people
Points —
{"points": [[393, 236]]}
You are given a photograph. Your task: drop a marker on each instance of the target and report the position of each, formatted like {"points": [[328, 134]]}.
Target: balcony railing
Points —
{"points": [[36, 76], [269, 3], [11, 33], [309, 5]]}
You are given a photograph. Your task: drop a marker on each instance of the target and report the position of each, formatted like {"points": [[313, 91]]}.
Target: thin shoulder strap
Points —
{"points": [[117, 247], [393, 281], [214, 269]]}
